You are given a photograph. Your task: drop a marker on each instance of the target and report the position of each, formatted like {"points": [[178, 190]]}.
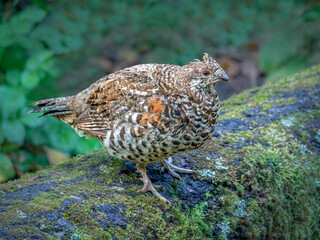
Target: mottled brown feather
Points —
{"points": [[146, 109], [105, 101]]}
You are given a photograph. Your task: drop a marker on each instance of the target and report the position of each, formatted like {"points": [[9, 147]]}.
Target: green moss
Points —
{"points": [[195, 223], [79, 214], [26, 231], [303, 80], [303, 119], [284, 101], [235, 106], [265, 183], [46, 201], [11, 214], [280, 184], [275, 170]]}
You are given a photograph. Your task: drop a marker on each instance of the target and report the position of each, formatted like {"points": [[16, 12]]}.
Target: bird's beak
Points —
{"points": [[218, 79], [224, 78]]}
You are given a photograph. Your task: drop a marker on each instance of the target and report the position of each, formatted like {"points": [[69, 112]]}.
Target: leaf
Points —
{"points": [[29, 162], [6, 170], [14, 57], [30, 79], [13, 77], [14, 131], [37, 61], [20, 27], [31, 120], [1, 136], [87, 145], [73, 42], [6, 36], [26, 161], [37, 136], [312, 15], [32, 15], [12, 99], [23, 22], [63, 138], [41, 3], [51, 36]]}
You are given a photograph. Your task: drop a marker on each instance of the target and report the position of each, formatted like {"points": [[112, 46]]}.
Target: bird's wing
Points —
{"points": [[114, 101]]}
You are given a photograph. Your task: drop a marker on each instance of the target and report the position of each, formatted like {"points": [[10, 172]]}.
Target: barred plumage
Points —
{"points": [[146, 113]]}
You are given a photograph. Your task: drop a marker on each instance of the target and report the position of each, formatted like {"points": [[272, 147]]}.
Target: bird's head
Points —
{"points": [[205, 74]]}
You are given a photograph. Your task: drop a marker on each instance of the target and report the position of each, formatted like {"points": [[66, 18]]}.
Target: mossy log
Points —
{"points": [[258, 179]]}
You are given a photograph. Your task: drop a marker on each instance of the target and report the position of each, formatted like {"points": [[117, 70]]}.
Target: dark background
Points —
{"points": [[57, 48]]}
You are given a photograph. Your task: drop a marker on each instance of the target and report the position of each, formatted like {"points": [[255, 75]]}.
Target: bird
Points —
{"points": [[146, 113]]}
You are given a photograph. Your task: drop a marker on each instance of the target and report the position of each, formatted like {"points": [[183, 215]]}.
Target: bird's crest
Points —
{"points": [[206, 59]]}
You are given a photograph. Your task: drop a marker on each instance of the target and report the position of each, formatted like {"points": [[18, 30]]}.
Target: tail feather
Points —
{"points": [[52, 106], [53, 113]]}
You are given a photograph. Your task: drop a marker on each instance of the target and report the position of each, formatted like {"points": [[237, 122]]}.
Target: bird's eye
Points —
{"points": [[206, 72]]}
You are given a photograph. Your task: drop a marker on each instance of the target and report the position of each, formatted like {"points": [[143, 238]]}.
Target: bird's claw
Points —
{"points": [[174, 170], [148, 186]]}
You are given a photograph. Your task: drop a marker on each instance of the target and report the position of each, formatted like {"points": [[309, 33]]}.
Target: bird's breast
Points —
{"points": [[166, 127]]}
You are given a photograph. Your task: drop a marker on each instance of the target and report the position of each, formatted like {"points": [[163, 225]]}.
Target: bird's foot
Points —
{"points": [[148, 186], [174, 170], [154, 185]]}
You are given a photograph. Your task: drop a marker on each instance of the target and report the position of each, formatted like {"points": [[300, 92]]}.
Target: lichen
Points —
{"points": [[207, 173], [258, 179], [317, 137], [288, 122]]}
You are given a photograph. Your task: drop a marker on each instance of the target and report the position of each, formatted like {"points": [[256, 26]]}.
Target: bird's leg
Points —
{"points": [[147, 184], [174, 170]]}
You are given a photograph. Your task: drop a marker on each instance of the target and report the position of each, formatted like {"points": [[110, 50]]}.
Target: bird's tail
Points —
{"points": [[53, 106]]}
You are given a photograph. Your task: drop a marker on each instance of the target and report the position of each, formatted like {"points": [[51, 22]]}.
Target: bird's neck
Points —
{"points": [[207, 96]]}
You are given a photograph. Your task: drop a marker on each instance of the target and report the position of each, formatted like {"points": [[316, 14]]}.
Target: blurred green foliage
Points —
{"points": [[29, 50], [40, 42]]}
